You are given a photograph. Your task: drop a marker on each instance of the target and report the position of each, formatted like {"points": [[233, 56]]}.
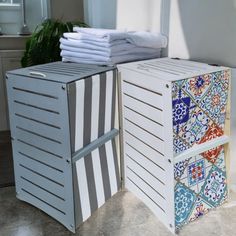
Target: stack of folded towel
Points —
{"points": [[108, 47]]}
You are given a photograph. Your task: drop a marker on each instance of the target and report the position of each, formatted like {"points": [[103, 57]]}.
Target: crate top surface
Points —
{"points": [[171, 69], [61, 72]]}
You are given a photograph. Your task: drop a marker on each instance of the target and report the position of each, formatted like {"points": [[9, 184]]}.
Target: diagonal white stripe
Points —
{"points": [[108, 106], [79, 118], [98, 177], [83, 188], [111, 167], [95, 106]]}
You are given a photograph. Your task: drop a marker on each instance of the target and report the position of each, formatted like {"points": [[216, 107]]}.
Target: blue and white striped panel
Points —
{"points": [[97, 179], [92, 108]]}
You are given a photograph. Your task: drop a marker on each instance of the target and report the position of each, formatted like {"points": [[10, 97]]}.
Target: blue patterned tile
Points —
{"points": [[184, 201], [179, 168], [197, 86], [196, 127], [214, 103], [214, 189], [196, 172], [179, 145]]}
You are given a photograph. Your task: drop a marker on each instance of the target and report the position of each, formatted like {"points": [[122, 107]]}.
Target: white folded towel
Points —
{"points": [[92, 58], [116, 51], [106, 34], [147, 39], [76, 44]]}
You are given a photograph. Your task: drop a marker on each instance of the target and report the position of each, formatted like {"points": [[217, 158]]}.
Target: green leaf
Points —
{"points": [[43, 46]]}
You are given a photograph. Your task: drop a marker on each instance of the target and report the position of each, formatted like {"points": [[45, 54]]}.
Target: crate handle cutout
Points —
{"points": [[95, 144], [197, 149], [35, 73]]}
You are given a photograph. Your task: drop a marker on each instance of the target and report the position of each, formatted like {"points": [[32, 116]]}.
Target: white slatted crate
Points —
{"points": [[174, 136], [63, 119]]}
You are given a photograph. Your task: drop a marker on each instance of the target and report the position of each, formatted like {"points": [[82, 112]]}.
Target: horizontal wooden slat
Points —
{"points": [[147, 188], [44, 195], [145, 81], [145, 175], [40, 142], [40, 128], [39, 86], [147, 138], [36, 100], [144, 95], [43, 182], [37, 114], [152, 127], [143, 109], [41, 169], [143, 148], [40, 155], [152, 206], [35, 201], [146, 162]]}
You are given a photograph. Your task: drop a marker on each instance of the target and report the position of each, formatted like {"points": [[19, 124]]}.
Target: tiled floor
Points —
{"points": [[124, 215]]}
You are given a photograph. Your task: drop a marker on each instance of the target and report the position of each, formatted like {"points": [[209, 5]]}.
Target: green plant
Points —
{"points": [[43, 46]]}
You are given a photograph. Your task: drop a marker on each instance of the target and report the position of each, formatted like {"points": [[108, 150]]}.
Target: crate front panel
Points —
{"points": [[200, 185], [92, 108], [96, 179], [41, 149], [199, 109]]}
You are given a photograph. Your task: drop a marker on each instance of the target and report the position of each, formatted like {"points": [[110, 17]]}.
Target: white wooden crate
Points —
{"points": [[173, 136]]}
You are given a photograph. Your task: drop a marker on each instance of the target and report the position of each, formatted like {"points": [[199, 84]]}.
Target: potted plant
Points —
{"points": [[43, 46]]}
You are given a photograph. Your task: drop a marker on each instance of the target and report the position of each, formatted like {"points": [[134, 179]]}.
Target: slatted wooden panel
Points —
{"points": [[41, 146], [148, 172]]}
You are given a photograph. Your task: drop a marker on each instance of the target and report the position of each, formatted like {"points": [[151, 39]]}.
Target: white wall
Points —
{"points": [[100, 13], [204, 30], [138, 15]]}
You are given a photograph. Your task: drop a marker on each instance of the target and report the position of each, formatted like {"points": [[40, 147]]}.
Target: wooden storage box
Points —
{"points": [[63, 119], [174, 115]]}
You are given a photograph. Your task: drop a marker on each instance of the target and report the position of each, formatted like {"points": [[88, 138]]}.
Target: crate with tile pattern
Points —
{"points": [[64, 129], [174, 114]]}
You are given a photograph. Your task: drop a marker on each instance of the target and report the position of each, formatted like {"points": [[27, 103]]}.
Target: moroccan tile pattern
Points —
{"points": [[200, 185], [199, 110]]}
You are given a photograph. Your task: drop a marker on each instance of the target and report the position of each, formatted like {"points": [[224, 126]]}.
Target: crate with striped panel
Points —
{"points": [[64, 128], [175, 136]]}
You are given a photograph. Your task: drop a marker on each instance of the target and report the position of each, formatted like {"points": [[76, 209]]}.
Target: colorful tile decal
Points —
{"points": [[200, 185], [199, 109]]}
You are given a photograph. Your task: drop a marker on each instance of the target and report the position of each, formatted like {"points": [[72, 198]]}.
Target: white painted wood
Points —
{"points": [[111, 167], [147, 130], [168, 152], [83, 188], [140, 146], [143, 109], [143, 197], [150, 140], [145, 175], [203, 147], [147, 124], [108, 106], [95, 106], [98, 177], [147, 188], [79, 122], [147, 163], [146, 81], [154, 99], [160, 69]]}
